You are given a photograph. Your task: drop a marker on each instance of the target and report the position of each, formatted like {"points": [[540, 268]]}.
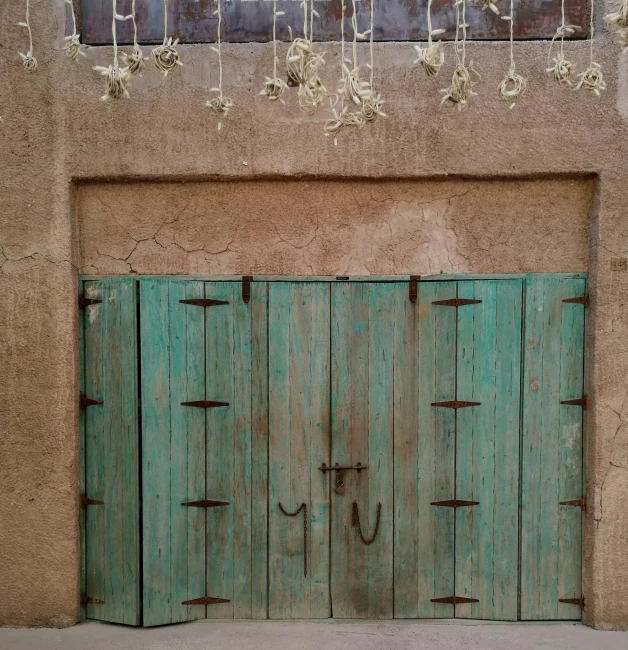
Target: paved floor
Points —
{"points": [[328, 635]]}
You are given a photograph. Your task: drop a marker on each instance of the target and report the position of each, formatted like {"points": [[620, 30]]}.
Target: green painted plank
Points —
{"points": [[230, 553], [173, 448], [487, 449], [551, 546], [112, 529], [363, 343], [424, 459], [299, 441], [82, 460], [259, 450]]}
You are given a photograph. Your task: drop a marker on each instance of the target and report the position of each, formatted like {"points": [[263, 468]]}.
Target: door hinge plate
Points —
{"points": [[246, 288], [414, 279], [573, 601], [86, 302], [455, 503], [205, 503], [206, 600], [579, 300], [454, 600], [88, 600], [581, 401], [456, 302], [86, 501], [204, 302], [575, 503], [87, 401], [205, 404], [455, 404]]}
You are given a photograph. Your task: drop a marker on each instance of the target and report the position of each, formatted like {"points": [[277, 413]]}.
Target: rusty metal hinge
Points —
{"points": [[86, 302], [576, 503], [86, 501], [86, 401], [581, 401], [454, 600], [205, 503], [88, 600], [413, 287], [205, 404], [204, 302], [579, 300], [573, 601], [246, 287], [206, 600], [456, 302], [455, 503], [455, 404]]}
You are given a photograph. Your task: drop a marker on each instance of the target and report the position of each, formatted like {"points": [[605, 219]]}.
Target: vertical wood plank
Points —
{"points": [[82, 459], [173, 446], [424, 464], [229, 451], [487, 454], [363, 342], [112, 467], [299, 441], [259, 446], [551, 546]]}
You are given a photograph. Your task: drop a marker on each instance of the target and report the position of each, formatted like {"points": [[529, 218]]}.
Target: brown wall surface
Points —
{"points": [[541, 187]]}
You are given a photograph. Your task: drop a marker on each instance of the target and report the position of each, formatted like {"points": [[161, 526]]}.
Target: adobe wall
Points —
{"points": [[95, 187]]}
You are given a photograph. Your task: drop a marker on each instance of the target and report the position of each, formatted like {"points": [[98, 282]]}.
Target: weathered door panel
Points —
{"points": [[487, 448], [368, 324], [551, 534], [425, 456], [236, 450], [173, 450], [299, 439], [111, 453]]}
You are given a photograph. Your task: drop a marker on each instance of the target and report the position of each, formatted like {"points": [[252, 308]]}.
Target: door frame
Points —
{"points": [[455, 277]]}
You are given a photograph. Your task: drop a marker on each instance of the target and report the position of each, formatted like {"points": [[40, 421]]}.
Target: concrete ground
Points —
{"points": [[328, 635]]}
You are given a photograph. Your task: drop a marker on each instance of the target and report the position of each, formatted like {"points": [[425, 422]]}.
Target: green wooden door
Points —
{"points": [[551, 533], [111, 483], [299, 442], [457, 470], [194, 451]]}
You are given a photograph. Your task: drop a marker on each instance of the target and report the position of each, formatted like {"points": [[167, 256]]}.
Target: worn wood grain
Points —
{"points": [[173, 448], [251, 20], [111, 449], [299, 441], [487, 449], [364, 322], [551, 544]]}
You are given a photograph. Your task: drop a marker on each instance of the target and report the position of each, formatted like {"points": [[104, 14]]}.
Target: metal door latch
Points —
{"points": [[338, 468]]}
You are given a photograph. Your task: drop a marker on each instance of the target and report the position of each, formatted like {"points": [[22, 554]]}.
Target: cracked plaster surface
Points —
{"points": [[329, 227]]}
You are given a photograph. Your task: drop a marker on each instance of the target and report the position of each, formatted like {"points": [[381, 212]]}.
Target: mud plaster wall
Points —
{"points": [[56, 135], [335, 227]]}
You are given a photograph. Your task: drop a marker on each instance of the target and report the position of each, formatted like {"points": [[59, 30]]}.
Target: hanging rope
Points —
{"points": [[72, 48], [134, 60], [461, 88], [620, 18], [221, 104], [355, 521], [562, 69], [116, 78], [592, 78], [165, 56], [303, 507], [431, 58], [274, 87], [372, 105], [28, 60], [513, 85]]}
